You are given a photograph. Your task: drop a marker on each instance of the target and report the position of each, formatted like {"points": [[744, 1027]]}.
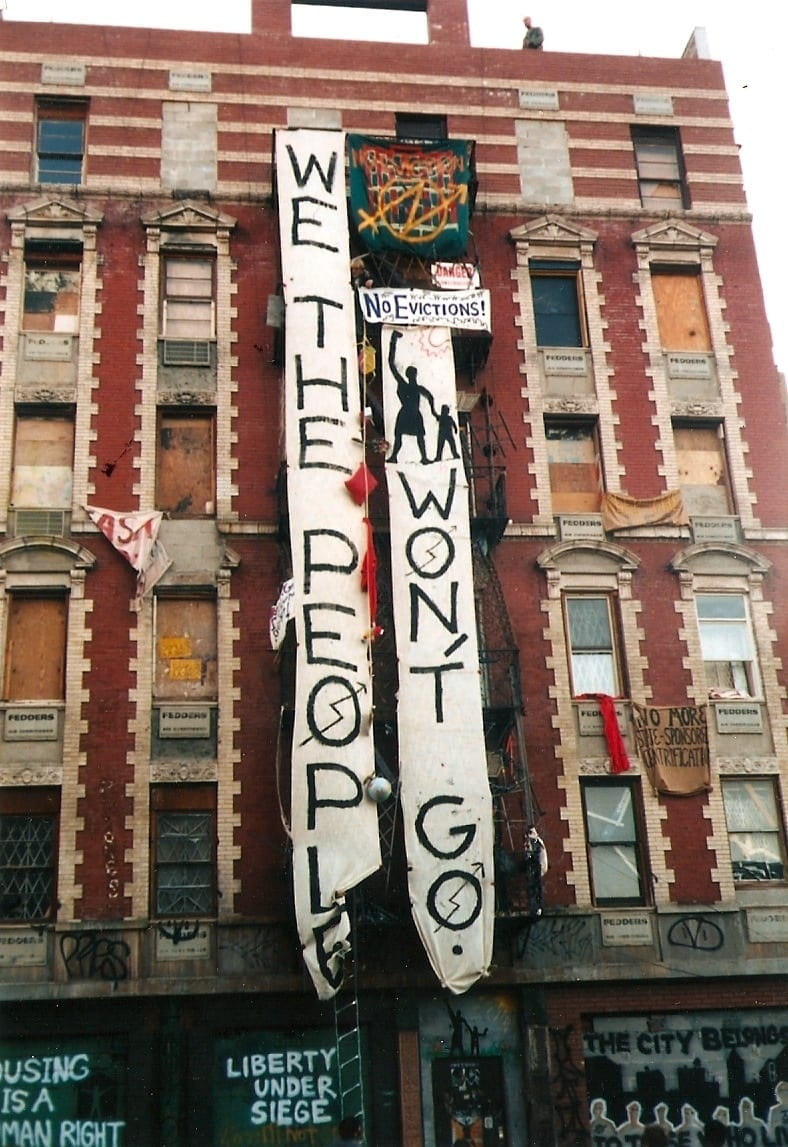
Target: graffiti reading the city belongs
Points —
{"points": [[680, 1071]]}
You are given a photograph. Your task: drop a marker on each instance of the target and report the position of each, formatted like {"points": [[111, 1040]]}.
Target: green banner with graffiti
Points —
{"points": [[411, 197], [274, 1088], [63, 1093]]}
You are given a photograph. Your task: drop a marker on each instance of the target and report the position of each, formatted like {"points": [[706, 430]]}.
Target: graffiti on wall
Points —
{"points": [[680, 1071]]}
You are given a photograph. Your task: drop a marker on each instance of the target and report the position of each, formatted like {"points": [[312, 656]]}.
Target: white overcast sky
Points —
{"points": [[751, 40]]}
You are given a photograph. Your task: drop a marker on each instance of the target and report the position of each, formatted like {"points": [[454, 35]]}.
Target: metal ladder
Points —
{"points": [[347, 1032]]}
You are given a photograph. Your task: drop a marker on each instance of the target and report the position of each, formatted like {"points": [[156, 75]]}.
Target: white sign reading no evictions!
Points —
{"points": [[466, 310], [334, 826]]}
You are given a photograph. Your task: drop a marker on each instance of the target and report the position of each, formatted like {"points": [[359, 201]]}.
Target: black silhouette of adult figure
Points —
{"points": [[410, 393]]}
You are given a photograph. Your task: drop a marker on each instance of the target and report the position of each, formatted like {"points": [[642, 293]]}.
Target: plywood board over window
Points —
{"points": [[51, 301], [700, 459], [35, 653], [186, 464], [185, 649], [681, 311], [43, 461], [573, 462]]}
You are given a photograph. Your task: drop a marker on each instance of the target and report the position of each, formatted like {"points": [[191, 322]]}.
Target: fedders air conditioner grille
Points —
{"points": [[186, 352], [42, 523]]}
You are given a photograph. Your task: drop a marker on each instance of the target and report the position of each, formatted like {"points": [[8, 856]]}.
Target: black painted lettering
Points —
{"points": [[311, 635], [300, 221], [313, 164], [321, 303], [339, 384], [343, 708], [438, 670], [341, 776], [336, 566], [466, 831], [315, 892], [467, 882], [422, 550], [417, 594], [419, 509], [305, 443]]}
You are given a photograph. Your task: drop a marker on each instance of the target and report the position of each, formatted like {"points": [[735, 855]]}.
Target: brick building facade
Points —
{"points": [[623, 429]]}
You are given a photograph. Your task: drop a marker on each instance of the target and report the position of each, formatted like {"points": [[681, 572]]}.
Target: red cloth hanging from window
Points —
{"points": [[619, 761]]}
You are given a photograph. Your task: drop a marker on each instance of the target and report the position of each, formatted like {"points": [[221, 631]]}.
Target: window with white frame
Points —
{"points": [[613, 840], [188, 298], [727, 645], [756, 834], [593, 660]]}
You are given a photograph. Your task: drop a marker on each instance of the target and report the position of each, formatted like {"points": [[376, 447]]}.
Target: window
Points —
{"points": [[185, 464], [573, 464], [28, 848], [660, 168], [60, 141], [592, 650], [413, 126], [702, 469], [183, 825], [614, 853], [35, 652], [727, 645], [681, 310], [185, 648], [755, 830], [188, 305], [43, 460], [51, 299], [558, 311]]}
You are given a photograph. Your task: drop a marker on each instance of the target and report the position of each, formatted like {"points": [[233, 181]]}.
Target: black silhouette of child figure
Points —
{"points": [[410, 393], [447, 428]]}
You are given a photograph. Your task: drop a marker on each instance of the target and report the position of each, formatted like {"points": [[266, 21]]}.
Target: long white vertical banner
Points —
{"points": [[334, 825], [444, 789]]}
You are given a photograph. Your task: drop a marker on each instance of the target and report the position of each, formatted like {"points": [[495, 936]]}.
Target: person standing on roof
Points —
{"points": [[534, 37]]}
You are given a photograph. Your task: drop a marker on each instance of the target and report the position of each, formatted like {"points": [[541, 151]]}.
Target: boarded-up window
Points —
{"points": [[544, 161], [660, 168], [188, 145], [35, 652], [185, 478], [681, 311], [188, 299], [43, 461], [700, 458], [51, 300], [573, 463], [185, 649]]}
